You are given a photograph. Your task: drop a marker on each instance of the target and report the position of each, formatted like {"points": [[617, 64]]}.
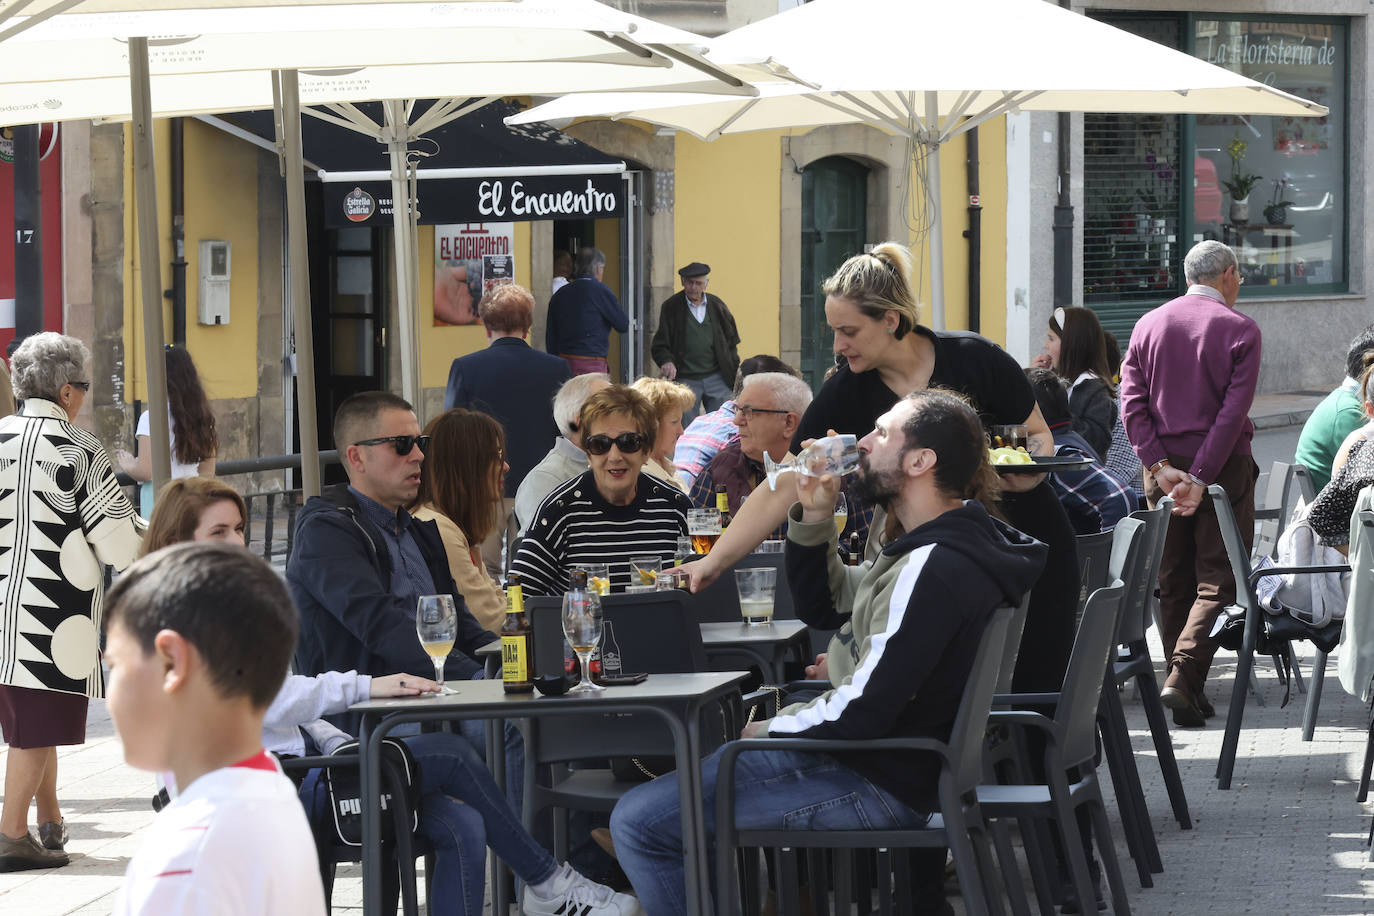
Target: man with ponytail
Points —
{"points": [[909, 627]]}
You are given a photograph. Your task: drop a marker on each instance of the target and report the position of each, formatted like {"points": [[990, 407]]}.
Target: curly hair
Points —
{"points": [[193, 424], [507, 309], [44, 363], [462, 471]]}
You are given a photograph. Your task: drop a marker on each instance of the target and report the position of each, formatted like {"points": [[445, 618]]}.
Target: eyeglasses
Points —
{"points": [[402, 444], [628, 443], [745, 412], [1240, 277], [84, 386]]}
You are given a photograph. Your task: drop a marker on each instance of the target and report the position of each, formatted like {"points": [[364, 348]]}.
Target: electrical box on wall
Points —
{"points": [[213, 305]]}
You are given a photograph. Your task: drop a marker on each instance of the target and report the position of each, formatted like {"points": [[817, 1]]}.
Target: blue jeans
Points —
{"points": [[774, 790], [461, 813]]}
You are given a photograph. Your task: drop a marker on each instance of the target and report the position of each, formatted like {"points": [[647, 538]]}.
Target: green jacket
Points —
{"points": [[670, 340]]}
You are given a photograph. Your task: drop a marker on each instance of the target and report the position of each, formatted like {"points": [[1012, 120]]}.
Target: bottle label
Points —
{"points": [[515, 659], [722, 503], [515, 599]]}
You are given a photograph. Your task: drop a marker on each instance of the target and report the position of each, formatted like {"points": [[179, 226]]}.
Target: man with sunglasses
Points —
{"points": [[1187, 384], [610, 513], [361, 562]]}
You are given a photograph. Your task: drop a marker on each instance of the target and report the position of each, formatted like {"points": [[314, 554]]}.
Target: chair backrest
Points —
{"points": [[1011, 646], [971, 722], [656, 632], [1094, 551], [1130, 543], [1235, 546], [1076, 714], [1135, 608], [1287, 483], [719, 601]]}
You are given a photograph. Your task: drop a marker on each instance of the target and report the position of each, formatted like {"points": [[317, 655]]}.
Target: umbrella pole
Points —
{"points": [[404, 246], [932, 190], [299, 269], [150, 270]]}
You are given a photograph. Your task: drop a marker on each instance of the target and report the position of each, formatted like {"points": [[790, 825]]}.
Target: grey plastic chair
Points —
{"points": [[959, 825], [1246, 578], [1070, 746]]}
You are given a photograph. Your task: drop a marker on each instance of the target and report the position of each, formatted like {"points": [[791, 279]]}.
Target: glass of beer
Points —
{"points": [[756, 594], [841, 513], [436, 623], [704, 527]]}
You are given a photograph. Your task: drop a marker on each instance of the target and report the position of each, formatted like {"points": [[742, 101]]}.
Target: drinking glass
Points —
{"points": [[1013, 435], [436, 623], [774, 546], [644, 570], [841, 513], [833, 455], [598, 577], [582, 627], [704, 527], [756, 594]]}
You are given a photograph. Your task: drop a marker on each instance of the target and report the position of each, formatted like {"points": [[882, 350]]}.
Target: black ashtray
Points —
{"points": [[551, 685]]}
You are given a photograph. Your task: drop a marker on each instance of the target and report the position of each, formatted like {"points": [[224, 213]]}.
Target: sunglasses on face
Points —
{"points": [[628, 443], [402, 444]]}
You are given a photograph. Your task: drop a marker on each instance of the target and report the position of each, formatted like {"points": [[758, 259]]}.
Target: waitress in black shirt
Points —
{"points": [[870, 307]]}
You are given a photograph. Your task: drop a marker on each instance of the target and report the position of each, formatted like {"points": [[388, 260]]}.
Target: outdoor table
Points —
{"points": [[676, 699], [769, 643]]}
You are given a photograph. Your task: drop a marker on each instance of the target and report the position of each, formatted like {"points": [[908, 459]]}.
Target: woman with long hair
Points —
{"points": [[194, 438], [1076, 349], [460, 489], [461, 810]]}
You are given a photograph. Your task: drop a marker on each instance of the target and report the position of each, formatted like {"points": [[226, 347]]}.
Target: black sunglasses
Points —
{"points": [[84, 386], [628, 443], [402, 444]]}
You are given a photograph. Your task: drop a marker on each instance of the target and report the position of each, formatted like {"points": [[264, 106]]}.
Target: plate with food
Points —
{"points": [[1019, 461]]}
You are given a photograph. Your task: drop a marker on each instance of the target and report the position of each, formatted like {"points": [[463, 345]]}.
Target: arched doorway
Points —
{"points": [[833, 225]]}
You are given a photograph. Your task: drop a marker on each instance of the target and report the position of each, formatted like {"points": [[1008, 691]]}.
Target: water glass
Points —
{"points": [[644, 570], [598, 577], [774, 546], [756, 587]]}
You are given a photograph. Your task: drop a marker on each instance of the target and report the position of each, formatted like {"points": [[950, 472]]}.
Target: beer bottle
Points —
{"points": [[517, 641], [856, 554], [723, 504]]}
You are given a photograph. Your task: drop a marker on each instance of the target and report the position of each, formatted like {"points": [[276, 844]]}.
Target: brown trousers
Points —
{"points": [[1195, 580]]}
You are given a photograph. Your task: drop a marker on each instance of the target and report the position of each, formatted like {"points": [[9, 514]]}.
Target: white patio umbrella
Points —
{"points": [[212, 56], [929, 70]]}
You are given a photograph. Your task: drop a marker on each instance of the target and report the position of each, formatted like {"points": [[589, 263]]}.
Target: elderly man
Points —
{"points": [[711, 432], [566, 458], [1186, 388], [697, 342], [767, 412], [582, 315], [514, 384]]}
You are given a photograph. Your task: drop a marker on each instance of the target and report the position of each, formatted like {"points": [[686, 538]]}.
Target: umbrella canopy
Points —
{"points": [[929, 70]]}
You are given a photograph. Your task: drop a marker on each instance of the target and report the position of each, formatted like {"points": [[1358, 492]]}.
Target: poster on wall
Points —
{"points": [[470, 260]]}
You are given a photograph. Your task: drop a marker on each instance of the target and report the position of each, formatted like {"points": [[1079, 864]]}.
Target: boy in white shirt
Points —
{"points": [[198, 640]]}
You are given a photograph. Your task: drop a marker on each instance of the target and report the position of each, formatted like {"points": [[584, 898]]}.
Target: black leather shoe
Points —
{"points": [[53, 834], [1186, 711], [25, 853]]}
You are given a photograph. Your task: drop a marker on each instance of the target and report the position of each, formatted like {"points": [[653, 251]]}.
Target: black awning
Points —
{"points": [[583, 189]]}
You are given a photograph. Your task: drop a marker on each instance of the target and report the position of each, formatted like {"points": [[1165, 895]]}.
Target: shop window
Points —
{"points": [[1154, 185]]}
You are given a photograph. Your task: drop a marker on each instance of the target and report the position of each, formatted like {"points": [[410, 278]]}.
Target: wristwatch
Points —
{"points": [[1163, 462]]}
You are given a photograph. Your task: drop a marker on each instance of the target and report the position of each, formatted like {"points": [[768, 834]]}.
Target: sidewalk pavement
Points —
{"points": [[1288, 837], [1289, 408]]}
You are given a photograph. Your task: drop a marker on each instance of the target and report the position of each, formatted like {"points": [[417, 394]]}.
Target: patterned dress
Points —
{"points": [[62, 515], [1335, 504]]}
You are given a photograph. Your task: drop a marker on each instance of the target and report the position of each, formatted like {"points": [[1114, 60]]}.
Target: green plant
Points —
{"points": [[1241, 182], [1275, 211]]}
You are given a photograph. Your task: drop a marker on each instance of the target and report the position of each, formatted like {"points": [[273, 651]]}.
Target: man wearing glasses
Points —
{"points": [[361, 562], [767, 411], [1187, 384]]}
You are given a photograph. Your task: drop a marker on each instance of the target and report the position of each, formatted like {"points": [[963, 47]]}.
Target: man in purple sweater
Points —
{"points": [[1186, 388]]}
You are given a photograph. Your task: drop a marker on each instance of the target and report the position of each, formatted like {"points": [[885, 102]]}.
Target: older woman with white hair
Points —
{"points": [[66, 518]]}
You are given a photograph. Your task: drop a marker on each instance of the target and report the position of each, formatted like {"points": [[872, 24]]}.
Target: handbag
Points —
{"points": [[400, 781]]}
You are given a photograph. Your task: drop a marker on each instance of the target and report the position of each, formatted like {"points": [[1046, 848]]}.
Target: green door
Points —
{"points": [[834, 192]]}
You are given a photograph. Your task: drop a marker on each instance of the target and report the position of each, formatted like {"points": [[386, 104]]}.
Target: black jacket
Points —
{"points": [[514, 384], [339, 574], [670, 340]]}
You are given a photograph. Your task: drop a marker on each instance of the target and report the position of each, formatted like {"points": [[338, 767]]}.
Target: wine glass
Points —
{"points": [[436, 623], [833, 455], [841, 513], [582, 627]]}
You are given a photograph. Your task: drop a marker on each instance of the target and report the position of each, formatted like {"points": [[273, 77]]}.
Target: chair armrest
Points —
{"points": [[1005, 699], [1259, 574], [289, 764], [792, 686], [1025, 717]]}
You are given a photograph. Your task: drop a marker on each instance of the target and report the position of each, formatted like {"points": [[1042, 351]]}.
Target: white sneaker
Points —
{"points": [[577, 895]]}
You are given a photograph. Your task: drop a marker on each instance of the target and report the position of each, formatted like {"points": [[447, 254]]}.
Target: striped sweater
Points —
{"points": [[575, 525]]}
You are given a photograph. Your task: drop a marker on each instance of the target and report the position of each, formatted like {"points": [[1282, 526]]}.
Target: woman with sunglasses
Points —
{"points": [[460, 491], [613, 511], [1076, 349], [670, 400]]}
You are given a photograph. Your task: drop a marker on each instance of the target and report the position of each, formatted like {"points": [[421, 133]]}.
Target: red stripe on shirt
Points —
{"points": [[169, 874], [259, 761]]}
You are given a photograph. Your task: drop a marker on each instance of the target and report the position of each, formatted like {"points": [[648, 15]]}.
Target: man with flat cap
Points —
{"points": [[697, 342]]}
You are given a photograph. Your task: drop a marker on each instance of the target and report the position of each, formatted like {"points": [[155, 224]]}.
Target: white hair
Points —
{"points": [[567, 403], [1207, 261], [44, 363], [789, 392]]}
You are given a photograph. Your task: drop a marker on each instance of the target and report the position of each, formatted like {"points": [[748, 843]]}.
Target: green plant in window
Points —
{"points": [[1241, 182]]}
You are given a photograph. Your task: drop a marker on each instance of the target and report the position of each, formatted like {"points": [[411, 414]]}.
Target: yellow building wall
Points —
{"points": [[221, 204], [726, 213]]}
